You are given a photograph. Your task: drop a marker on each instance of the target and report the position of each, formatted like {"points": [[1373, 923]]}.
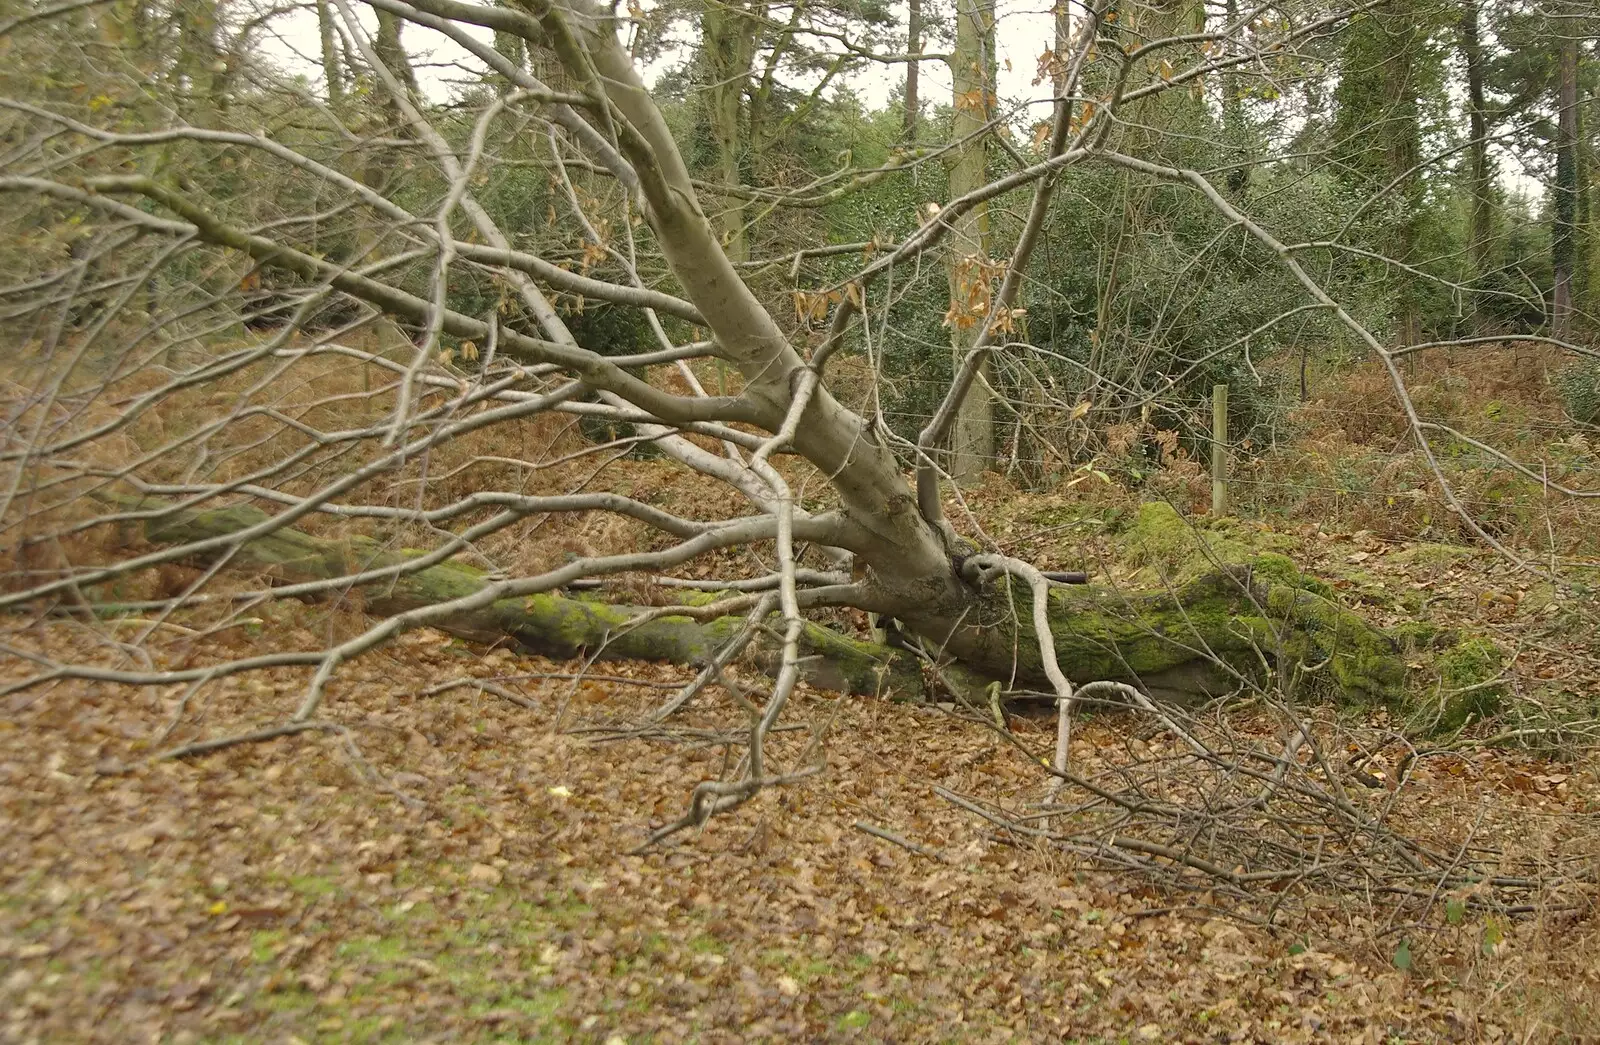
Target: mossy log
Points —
{"points": [[549, 624], [1191, 639], [1199, 638]]}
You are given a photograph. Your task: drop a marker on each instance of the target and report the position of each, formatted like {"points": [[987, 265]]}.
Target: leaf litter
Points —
{"points": [[453, 865]]}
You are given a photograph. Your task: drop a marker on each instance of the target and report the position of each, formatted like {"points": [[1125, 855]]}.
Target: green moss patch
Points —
{"points": [[1468, 688], [1428, 554], [1169, 548]]}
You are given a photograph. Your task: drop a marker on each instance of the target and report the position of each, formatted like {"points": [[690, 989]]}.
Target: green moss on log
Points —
{"points": [[547, 623], [1223, 611], [1468, 687], [1204, 636], [1171, 549], [1197, 637]]}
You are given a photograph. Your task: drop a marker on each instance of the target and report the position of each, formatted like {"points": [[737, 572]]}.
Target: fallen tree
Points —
{"points": [[1211, 634], [170, 401]]}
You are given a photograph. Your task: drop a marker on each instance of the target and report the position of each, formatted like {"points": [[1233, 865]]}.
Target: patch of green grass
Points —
{"points": [[23, 892], [313, 885], [288, 999], [84, 974], [538, 1003], [704, 943], [475, 954], [264, 943], [423, 913], [375, 948], [373, 1030], [805, 969], [561, 909]]}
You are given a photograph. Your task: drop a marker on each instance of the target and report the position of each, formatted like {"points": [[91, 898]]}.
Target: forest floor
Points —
{"points": [[460, 867], [458, 863]]}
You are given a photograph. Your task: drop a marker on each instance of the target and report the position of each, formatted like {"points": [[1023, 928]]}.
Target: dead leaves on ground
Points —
{"points": [[284, 891]]}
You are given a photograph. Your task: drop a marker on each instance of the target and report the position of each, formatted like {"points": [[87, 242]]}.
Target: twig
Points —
{"points": [[904, 843], [480, 684], [202, 747]]}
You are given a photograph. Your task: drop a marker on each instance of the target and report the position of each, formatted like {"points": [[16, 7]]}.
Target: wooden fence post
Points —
{"points": [[1219, 451]]}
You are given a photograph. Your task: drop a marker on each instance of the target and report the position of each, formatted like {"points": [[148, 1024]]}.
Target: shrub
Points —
{"points": [[1579, 385]]}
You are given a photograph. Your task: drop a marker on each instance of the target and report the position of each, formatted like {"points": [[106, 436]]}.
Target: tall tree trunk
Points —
{"points": [[728, 40], [1583, 174], [390, 52], [1233, 115], [972, 439], [913, 46], [332, 67], [1063, 46], [1379, 134], [200, 64], [1482, 212], [1405, 149], [512, 47], [515, 51], [377, 166], [1563, 238]]}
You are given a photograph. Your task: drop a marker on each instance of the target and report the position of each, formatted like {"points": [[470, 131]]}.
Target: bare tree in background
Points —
{"points": [[299, 452]]}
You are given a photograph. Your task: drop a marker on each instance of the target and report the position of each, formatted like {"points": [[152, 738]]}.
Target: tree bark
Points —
{"points": [[972, 439], [1062, 16], [1378, 134], [1233, 115], [908, 558], [728, 40], [1478, 236], [550, 624], [1563, 238], [201, 63], [1199, 639], [392, 52], [913, 103], [332, 67], [515, 50]]}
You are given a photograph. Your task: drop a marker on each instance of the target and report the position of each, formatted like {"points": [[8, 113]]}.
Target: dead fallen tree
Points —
{"points": [[1228, 627], [548, 623]]}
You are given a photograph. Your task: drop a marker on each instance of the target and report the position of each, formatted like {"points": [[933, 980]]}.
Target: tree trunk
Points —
{"points": [[1195, 641], [913, 103], [332, 68], [1233, 128], [392, 53], [1478, 238], [727, 49], [1063, 46], [972, 438], [1563, 238], [515, 51], [1201, 639], [201, 64], [549, 624], [1378, 134]]}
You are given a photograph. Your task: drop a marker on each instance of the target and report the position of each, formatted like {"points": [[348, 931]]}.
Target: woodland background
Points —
{"points": [[456, 846]]}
